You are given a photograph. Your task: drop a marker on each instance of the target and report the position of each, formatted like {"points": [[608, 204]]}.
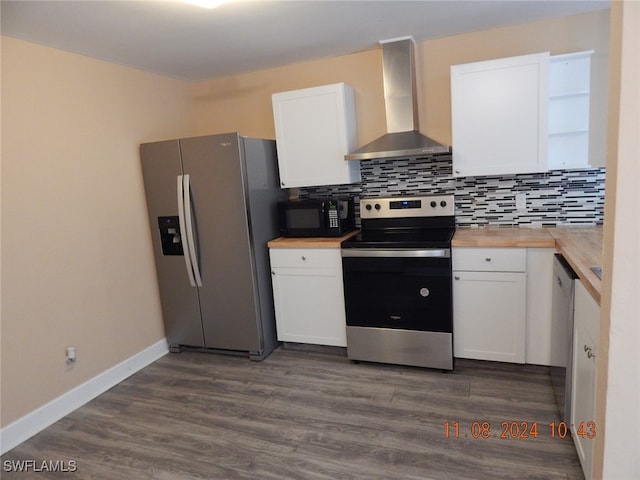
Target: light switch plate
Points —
{"points": [[521, 201]]}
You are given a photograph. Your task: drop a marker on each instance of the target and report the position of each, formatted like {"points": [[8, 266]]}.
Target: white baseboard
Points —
{"points": [[17, 432]]}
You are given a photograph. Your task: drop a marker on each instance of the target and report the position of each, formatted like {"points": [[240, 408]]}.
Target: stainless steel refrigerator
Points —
{"points": [[212, 210]]}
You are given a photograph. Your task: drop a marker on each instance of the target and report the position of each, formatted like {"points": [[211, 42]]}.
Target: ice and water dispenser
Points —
{"points": [[170, 235]]}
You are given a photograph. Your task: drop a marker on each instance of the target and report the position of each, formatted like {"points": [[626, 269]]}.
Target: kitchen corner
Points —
{"points": [[580, 245], [537, 316]]}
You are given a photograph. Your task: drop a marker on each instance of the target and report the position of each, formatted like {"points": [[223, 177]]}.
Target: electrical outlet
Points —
{"points": [[521, 201]]}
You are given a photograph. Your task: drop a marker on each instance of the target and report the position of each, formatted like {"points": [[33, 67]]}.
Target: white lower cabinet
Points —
{"points": [[489, 303], [586, 335], [308, 295]]}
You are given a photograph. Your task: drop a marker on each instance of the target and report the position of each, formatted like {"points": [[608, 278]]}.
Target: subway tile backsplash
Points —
{"points": [[559, 197]]}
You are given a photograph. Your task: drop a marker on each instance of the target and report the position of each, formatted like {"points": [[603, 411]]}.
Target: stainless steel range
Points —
{"points": [[397, 282]]}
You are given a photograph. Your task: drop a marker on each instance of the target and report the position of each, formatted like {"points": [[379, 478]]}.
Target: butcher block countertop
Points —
{"points": [[581, 246], [502, 237], [310, 242]]}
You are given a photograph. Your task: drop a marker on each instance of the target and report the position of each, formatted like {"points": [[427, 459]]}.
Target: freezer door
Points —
{"points": [[161, 168], [228, 293]]}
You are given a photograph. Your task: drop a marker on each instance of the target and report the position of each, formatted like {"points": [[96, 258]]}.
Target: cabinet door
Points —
{"points": [[499, 116], [489, 316], [309, 305], [180, 303], [583, 391], [315, 129], [227, 265], [583, 396]]}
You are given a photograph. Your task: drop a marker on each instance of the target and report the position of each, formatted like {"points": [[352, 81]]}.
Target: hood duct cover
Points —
{"points": [[402, 139]]}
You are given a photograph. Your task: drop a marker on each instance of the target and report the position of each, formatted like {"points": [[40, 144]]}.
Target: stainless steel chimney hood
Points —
{"points": [[403, 139]]}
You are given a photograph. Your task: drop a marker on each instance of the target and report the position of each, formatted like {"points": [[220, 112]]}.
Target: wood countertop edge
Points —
{"points": [[310, 242], [582, 267], [589, 279]]}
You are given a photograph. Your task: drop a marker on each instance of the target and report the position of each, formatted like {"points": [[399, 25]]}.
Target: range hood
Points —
{"points": [[403, 139]]}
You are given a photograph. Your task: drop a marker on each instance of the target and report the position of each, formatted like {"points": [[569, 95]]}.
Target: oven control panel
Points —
{"points": [[398, 207]]}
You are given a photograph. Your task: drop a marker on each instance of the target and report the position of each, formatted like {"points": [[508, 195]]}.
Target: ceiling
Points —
{"points": [[185, 41]]}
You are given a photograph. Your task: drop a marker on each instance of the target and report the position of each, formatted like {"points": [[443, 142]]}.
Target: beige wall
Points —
{"points": [[243, 102], [617, 448], [77, 265]]}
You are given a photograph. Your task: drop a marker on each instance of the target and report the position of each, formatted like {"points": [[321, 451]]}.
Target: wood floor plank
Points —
{"points": [[308, 415]]}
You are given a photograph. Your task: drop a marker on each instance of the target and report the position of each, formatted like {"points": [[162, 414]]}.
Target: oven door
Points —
{"points": [[398, 289]]}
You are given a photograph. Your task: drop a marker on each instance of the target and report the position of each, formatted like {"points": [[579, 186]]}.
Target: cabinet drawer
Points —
{"points": [[489, 259], [306, 258]]}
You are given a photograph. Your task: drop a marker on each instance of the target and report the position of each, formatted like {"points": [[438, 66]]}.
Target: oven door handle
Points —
{"points": [[396, 252]]}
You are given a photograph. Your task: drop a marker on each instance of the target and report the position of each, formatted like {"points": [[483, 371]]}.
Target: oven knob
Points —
{"points": [[424, 292], [378, 207], [433, 204], [368, 206], [443, 204]]}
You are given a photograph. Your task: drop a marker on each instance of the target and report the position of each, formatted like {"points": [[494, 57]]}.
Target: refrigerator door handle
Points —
{"points": [[183, 230], [190, 236]]}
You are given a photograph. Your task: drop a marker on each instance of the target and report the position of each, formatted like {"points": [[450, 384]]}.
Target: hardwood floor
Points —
{"points": [[308, 415]]}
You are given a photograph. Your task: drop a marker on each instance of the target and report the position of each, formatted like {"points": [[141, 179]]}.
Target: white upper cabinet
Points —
{"points": [[315, 129], [569, 105], [499, 116], [522, 114]]}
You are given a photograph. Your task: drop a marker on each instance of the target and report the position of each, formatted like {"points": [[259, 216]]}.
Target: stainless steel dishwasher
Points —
{"points": [[562, 333]]}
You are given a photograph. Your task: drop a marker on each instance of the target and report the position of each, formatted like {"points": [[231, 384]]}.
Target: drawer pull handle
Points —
{"points": [[304, 259], [457, 277], [487, 259]]}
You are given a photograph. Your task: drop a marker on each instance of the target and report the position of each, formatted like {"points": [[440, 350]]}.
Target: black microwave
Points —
{"points": [[324, 217]]}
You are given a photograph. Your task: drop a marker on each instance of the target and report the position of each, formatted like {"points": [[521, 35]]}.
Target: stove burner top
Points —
{"points": [[407, 223], [436, 238]]}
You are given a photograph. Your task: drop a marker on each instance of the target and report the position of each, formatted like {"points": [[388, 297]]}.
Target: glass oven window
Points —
{"points": [[406, 293]]}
